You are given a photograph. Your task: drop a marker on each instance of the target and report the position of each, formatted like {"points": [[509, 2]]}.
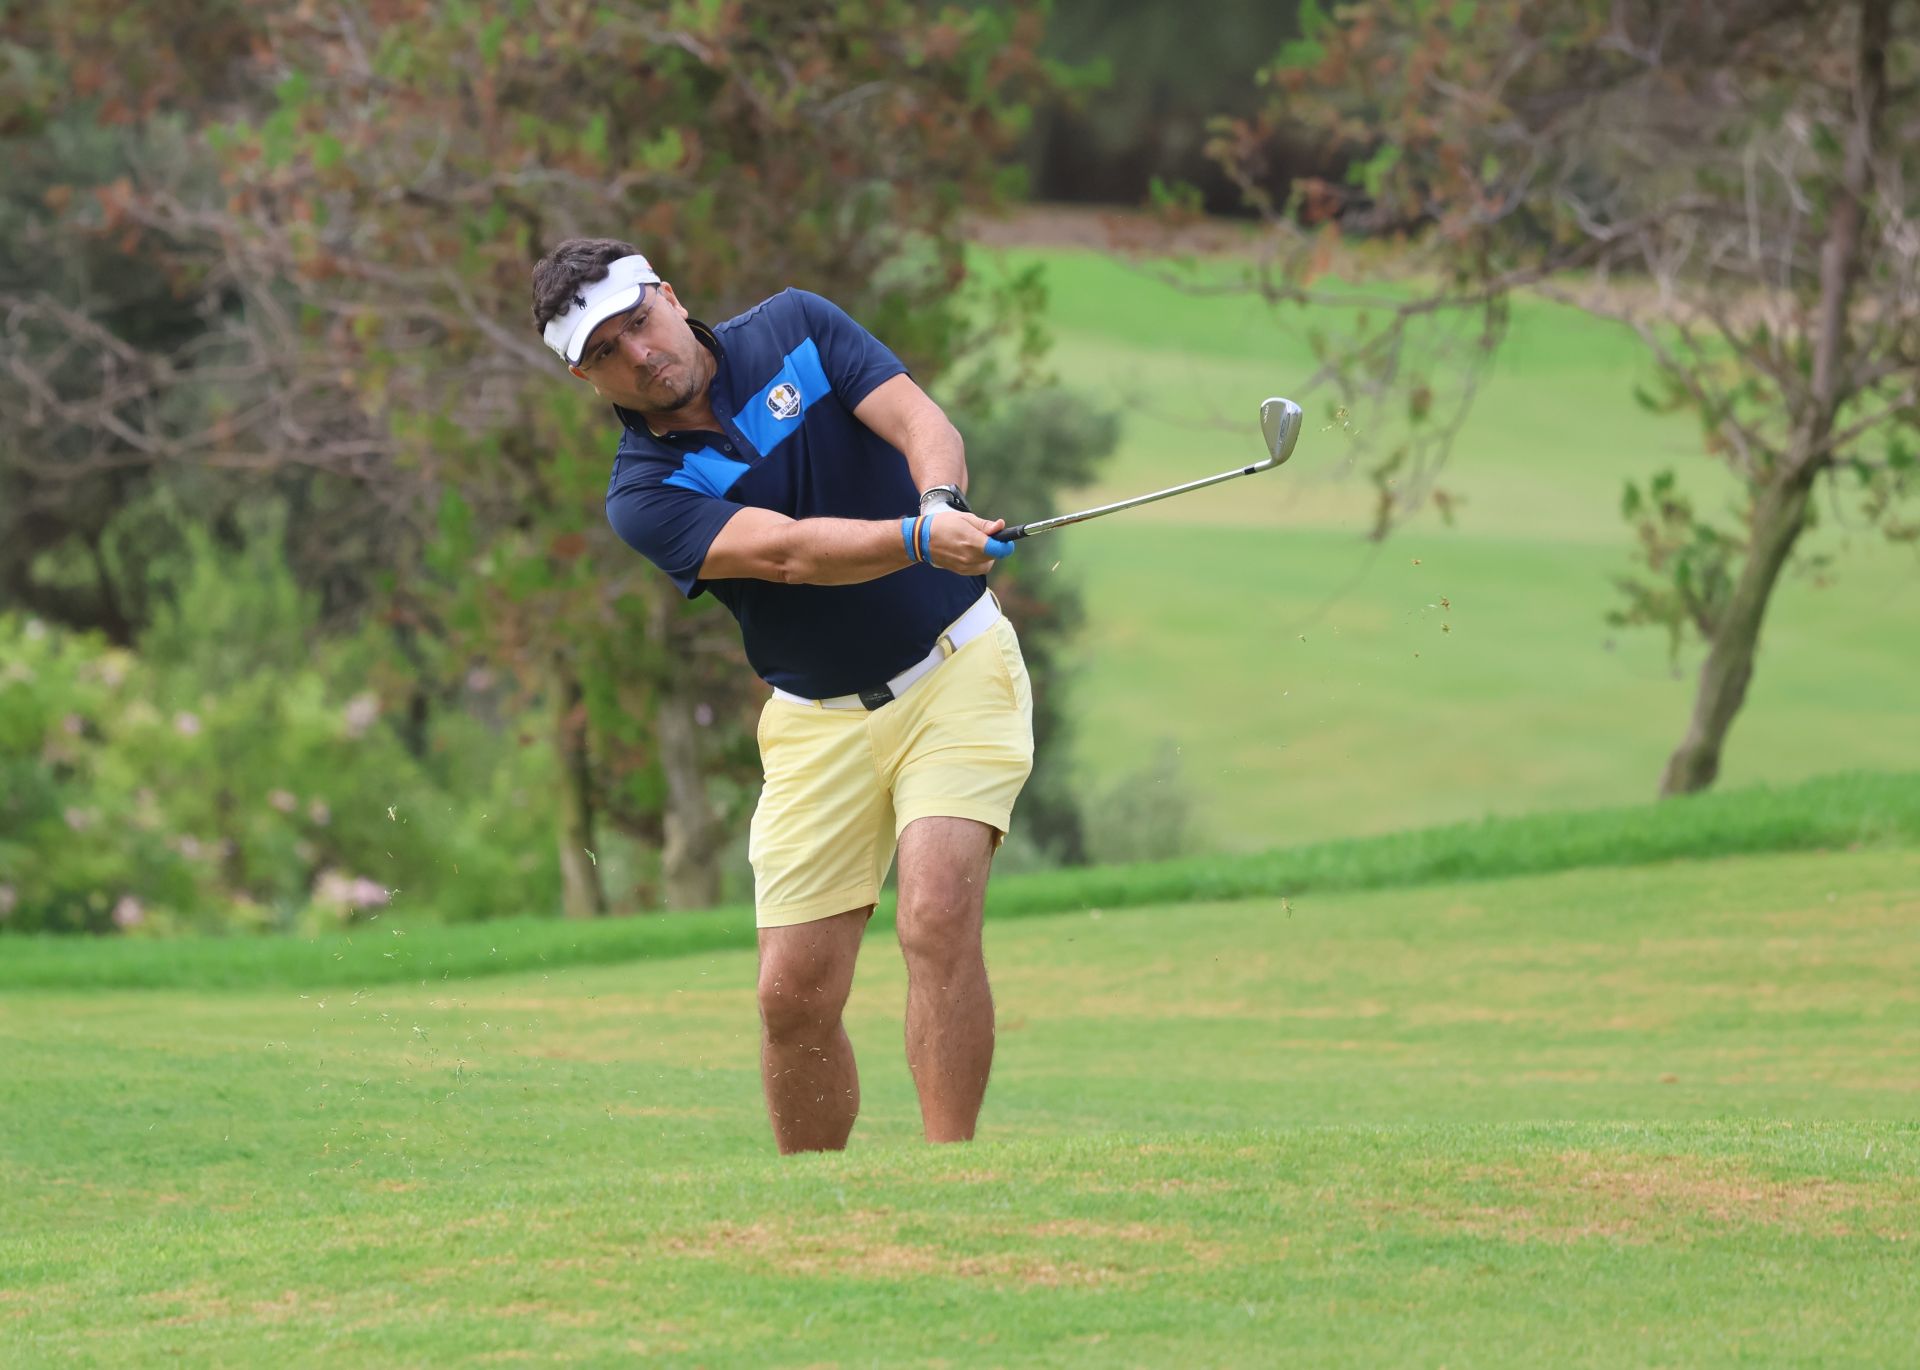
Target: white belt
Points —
{"points": [[975, 621]]}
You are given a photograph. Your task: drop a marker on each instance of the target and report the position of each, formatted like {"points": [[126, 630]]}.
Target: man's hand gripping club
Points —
{"points": [[951, 536]]}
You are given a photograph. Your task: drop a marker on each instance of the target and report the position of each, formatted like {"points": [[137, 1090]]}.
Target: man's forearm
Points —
{"points": [[900, 411], [934, 451], [821, 551]]}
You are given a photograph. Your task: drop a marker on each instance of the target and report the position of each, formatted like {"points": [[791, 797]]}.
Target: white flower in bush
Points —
{"points": [[346, 893], [319, 814], [283, 800], [9, 901], [128, 913], [186, 724], [362, 711]]}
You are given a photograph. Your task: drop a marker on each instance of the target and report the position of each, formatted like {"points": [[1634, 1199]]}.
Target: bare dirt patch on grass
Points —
{"points": [[192, 1303], [546, 1312], [434, 1274], [969, 1177], [867, 1244], [1641, 1199], [1179, 1186], [1197, 1252], [290, 1304]]}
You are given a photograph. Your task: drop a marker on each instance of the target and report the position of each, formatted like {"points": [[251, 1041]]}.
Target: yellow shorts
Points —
{"points": [[841, 784]]}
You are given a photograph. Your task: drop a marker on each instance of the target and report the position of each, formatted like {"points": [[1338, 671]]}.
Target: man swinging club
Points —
{"points": [[786, 462]]}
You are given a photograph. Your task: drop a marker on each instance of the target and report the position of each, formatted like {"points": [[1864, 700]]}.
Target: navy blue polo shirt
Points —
{"points": [[789, 373]]}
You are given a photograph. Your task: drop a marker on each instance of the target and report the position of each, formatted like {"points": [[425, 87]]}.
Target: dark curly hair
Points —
{"points": [[560, 274]]}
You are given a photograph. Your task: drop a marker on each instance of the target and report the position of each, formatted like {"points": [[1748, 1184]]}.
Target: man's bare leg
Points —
{"points": [[944, 863], [806, 1061]]}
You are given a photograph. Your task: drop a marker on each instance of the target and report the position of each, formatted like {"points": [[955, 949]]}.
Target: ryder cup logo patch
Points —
{"points": [[784, 400]]}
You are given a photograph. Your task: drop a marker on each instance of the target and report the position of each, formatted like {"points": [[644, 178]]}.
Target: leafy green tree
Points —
{"points": [[1733, 182], [128, 393], [273, 256], [1148, 79], [388, 207]]}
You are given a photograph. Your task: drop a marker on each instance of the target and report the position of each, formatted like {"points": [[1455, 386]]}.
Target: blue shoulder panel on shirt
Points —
{"points": [[708, 473], [773, 415]]}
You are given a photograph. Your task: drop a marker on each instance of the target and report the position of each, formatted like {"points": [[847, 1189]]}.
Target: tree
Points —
{"points": [[1732, 181], [127, 391], [1153, 77], [380, 223], [333, 211]]}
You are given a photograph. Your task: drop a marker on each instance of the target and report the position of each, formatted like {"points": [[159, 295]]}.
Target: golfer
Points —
{"points": [[786, 462]]}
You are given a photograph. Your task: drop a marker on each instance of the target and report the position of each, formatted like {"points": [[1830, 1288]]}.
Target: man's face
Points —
{"points": [[647, 359]]}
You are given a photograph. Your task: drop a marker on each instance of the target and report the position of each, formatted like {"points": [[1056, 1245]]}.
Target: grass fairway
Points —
{"points": [[1315, 689], [1660, 1114], [1319, 686]]}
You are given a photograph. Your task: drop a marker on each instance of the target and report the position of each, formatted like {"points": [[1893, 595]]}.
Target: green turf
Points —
{"points": [[1655, 1115], [1832, 812], [1446, 674]]}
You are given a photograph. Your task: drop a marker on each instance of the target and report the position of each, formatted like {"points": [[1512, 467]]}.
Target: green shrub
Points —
{"points": [[78, 851], [1145, 815], [239, 773]]}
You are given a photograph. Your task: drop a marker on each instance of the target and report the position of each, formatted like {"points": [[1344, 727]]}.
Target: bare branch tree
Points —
{"points": [[1733, 182]]}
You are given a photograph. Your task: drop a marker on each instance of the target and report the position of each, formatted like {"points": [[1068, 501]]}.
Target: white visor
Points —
{"points": [[615, 293]]}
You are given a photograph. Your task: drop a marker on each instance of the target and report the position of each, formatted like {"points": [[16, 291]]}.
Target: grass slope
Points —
{"points": [[1218, 1133], [1318, 686], [1833, 812]]}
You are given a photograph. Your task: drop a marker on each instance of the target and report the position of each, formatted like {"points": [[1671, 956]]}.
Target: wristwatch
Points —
{"points": [[946, 494]]}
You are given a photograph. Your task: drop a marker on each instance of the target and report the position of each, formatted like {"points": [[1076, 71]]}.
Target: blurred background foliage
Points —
{"points": [[1151, 80], [309, 613], [310, 608]]}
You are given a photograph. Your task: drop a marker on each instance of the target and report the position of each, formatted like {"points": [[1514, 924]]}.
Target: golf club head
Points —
{"points": [[1280, 422]]}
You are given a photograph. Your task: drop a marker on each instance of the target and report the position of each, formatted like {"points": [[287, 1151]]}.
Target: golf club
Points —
{"points": [[1280, 422]]}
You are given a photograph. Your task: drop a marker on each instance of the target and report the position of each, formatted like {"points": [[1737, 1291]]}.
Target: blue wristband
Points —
{"points": [[926, 536], [906, 538]]}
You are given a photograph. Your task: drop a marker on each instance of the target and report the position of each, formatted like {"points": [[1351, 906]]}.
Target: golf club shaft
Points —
{"points": [[1062, 520]]}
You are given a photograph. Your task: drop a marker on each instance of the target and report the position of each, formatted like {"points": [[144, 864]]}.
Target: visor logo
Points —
{"points": [[784, 400]]}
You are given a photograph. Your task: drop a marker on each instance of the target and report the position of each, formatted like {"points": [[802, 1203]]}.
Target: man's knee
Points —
{"points": [[795, 1004], [937, 932], [944, 865], [802, 991]]}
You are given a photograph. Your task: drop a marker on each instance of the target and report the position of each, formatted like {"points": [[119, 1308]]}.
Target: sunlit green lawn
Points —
{"points": [[1653, 1115], [1319, 685]]}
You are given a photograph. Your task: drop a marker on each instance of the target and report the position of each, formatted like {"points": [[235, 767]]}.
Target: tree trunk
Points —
{"points": [[581, 895], [690, 857], [1778, 521], [1781, 513]]}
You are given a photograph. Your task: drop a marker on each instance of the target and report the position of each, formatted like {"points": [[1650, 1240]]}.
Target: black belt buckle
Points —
{"points": [[876, 698]]}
